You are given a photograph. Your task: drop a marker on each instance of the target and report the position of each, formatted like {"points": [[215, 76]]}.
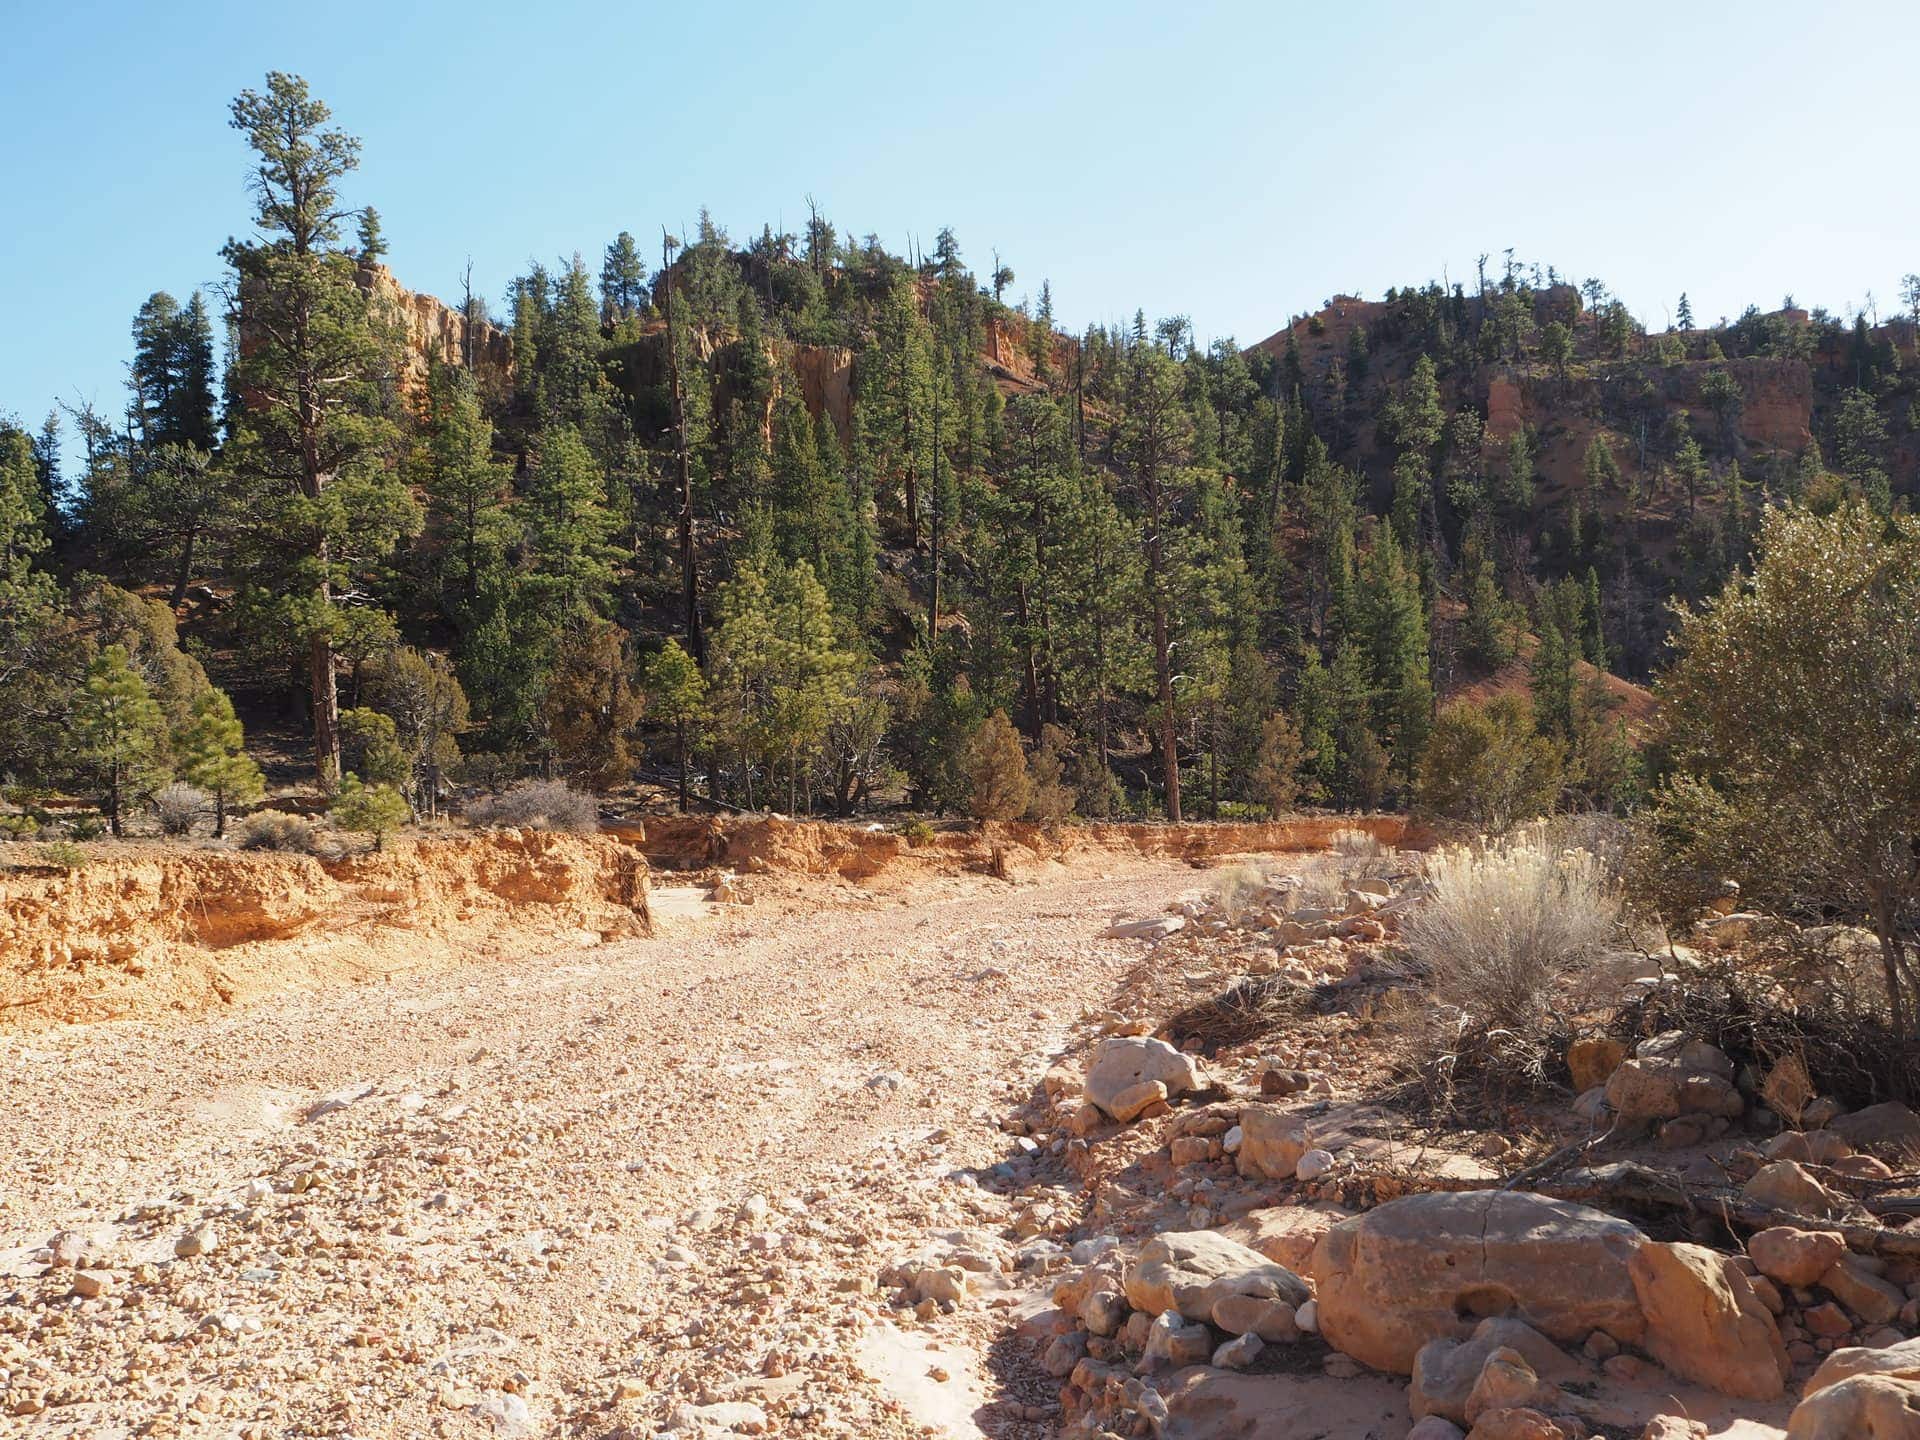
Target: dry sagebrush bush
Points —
{"points": [[537, 805], [180, 806], [277, 830], [1506, 948]]}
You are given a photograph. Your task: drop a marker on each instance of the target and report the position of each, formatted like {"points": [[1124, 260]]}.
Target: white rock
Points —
{"points": [[1307, 1317], [1313, 1164]]}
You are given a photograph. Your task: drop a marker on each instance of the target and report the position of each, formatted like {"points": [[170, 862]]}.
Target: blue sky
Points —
{"points": [[1235, 162]]}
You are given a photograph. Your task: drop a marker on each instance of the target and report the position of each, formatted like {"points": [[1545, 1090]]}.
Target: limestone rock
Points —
{"points": [[1286, 1234], [1272, 1141], [1866, 1407], [1254, 1315], [1445, 1371], [1190, 1272], [1507, 1382], [1122, 1062], [1238, 1353], [1796, 1257], [1706, 1324], [1785, 1186], [1593, 1059], [1897, 1362], [1172, 1343], [1888, 1125], [1516, 1424], [1673, 1427], [1865, 1294], [1432, 1266]]}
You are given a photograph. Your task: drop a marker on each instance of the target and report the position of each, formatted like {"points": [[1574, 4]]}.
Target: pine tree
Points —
{"points": [[311, 430], [1597, 465], [590, 706], [376, 810], [1683, 314], [468, 526], [1394, 631], [623, 277], [172, 373], [676, 695], [211, 752], [569, 530], [30, 625], [119, 733], [1155, 432]]}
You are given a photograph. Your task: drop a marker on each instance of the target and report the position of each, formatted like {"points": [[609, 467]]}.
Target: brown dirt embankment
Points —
{"points": [[854, 851], [148, 929]]}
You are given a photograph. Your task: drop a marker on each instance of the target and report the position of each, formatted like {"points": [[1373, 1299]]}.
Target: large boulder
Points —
{"points": [[1191, 1271], [1272, 1140], [1896, 1362], [1445, 1371], [1787, 1187], [1887, 1126], [1124, 1063], [1672, 1075], [1867, 1407], [1795, 1257], [1705, 1323], [1433, 1266]]}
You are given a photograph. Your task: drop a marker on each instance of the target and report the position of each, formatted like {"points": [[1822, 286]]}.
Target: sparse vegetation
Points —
{"points": [[996, 771], [277, 830], [1504, 948], [537, 805], [180, 806], [362, 809], [63, 855]]}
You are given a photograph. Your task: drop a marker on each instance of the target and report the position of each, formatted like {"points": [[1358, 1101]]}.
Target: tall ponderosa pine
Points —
{"points": [[1155, 432], [312, 435]]}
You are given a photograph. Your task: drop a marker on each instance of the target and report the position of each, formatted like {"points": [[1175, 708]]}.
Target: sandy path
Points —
{"points": [[495, 1200]]}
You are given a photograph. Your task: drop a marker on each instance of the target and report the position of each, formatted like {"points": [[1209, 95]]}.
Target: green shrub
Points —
{"points": [[917, 832], [63, 855], [996, 770], [376, 810], [1488, 764]]}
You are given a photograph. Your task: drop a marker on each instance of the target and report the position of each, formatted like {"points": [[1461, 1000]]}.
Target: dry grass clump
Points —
{"points": [[1236, 889], [277, 830], [1251, 1007], [1504, 950], [180, 806], [537, 805]]}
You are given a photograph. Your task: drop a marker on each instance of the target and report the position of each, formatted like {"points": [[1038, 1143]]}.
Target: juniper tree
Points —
{"points": [[1797, 762]]}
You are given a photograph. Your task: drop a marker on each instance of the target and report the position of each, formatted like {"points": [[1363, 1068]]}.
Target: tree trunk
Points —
{"points": [[680, 746], [1163, 669], [1883, 929], [689, 576], [325, 690], [184, 573], [933, 596]]}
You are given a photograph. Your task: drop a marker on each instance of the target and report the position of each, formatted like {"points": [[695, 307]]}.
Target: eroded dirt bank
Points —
{"points": [[147, 930], [144, 930]]}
